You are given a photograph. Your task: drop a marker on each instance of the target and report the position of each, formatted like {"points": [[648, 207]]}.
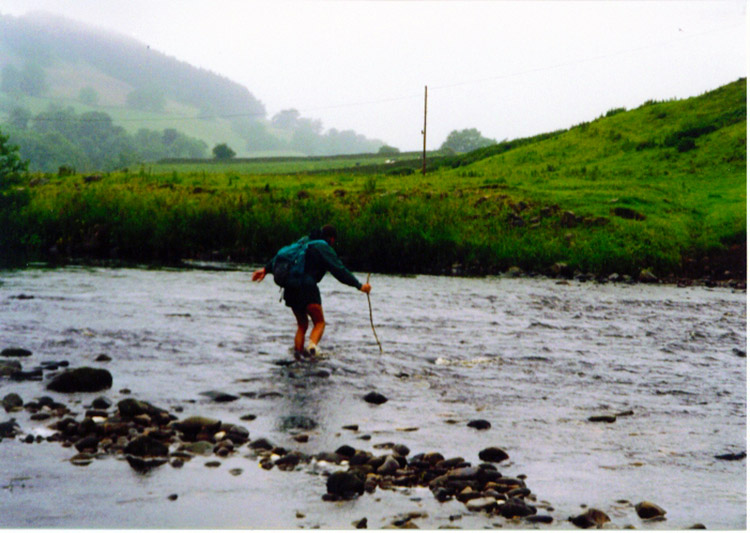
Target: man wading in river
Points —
{"points": [[298, 268]]}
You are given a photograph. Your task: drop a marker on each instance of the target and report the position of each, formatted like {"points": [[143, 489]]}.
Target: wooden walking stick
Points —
{"points": [[372, 324]]}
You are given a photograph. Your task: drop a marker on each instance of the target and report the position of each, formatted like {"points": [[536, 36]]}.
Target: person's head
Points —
{"points": [[329, 233]]}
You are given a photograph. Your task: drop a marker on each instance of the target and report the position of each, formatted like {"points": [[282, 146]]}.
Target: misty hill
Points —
{"points": [[49, 61]]}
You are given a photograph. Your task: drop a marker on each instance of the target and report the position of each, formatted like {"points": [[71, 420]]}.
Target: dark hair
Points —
{"points": [[327, 233]]}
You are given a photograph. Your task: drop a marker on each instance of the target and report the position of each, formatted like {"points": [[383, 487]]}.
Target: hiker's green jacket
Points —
{"points": [[322, 258]]}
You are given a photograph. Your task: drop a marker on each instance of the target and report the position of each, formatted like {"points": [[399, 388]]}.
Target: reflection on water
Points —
{"points": [[533, 357]]}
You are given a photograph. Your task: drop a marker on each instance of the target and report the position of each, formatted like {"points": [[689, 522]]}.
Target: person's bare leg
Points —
{"points": [[299, 338], [319, 325]]}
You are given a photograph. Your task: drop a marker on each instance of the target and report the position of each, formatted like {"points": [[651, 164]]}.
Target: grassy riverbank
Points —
{"points": [[661, 187]]}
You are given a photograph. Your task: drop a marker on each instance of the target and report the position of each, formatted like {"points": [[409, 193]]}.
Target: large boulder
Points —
{"points": [[84, 379]]}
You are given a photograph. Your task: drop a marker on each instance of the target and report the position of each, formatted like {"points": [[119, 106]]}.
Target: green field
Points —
{"points": [[290, 164], [660, 187]]}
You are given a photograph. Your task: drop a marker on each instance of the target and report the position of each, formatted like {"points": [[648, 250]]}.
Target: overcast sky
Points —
{"points": [[508, 68]]}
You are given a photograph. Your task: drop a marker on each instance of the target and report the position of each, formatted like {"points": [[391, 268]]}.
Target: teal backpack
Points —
{"points": [[289, 264]]}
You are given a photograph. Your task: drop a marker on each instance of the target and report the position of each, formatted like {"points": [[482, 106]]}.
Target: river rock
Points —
{"points": [[515, 508], [9, 428], [87, 444], [375, 398], [193, 426], [479, 424], [83, 379], [493, 455], [346, 451], [130, 408], [389, 466], [34, 374], [480, 504], [219, 396], [15, 352], [539, 519], [609, 419], [142, 464], [731, 456], [648, 510], [146, 447], [591, 518], [261, 444], [12, 402], [345, 484], [237, 434], [201, 447], [401, 449], [9, 367], [101, 403]]}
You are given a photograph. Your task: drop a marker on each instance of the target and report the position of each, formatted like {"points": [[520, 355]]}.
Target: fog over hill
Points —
{"points": [[48, 62]]}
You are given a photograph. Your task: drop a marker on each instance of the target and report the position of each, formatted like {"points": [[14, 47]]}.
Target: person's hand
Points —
{"points": [[259, 274], [365, 288]]}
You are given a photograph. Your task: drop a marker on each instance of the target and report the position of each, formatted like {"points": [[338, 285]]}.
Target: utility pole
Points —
{"points": [[424, 135]]}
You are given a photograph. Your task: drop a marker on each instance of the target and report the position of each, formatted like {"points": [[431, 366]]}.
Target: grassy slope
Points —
{"points": [[489, 212]]}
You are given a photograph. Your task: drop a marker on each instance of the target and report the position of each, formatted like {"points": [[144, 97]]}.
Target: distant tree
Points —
{"points": [[88, 95], [11, 165], [466, 140], [19, 117], [223, 152], [388, 150], [286, 119]]}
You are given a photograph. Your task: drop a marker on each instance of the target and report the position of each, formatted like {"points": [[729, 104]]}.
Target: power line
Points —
{"points": [[173, 118]]}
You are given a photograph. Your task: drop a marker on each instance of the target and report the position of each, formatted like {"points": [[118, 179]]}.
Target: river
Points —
{"points": [[534, 357]]}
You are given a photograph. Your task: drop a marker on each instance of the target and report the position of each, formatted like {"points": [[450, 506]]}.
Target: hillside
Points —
{"points": [[47, 60], [660, 190]]}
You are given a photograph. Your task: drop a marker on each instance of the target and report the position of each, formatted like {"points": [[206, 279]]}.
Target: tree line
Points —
{"points": [[90, 141]]}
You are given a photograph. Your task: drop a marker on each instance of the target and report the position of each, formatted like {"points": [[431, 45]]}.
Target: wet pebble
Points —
{"points": [[479, 424], [248, 417], [213, 464], [146, 447], [12, 402], [591, 518], [731, 456], [9, 367], [9, 428], [172, 497], [515, 507], [648, 510], [15, 352], [360, 524], [375, 398], [609, 419], [101, 403], [493, 455], [103, 358], [345, 485], [219, 396]]}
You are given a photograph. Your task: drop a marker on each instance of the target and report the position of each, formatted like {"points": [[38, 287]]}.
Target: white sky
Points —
{"points": [[508, 68]]}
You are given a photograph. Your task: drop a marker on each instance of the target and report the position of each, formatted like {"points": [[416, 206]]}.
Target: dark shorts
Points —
{"points": [[299, 299]]}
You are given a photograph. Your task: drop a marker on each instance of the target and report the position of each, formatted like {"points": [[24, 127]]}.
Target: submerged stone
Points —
{"points": [[83, 379]]}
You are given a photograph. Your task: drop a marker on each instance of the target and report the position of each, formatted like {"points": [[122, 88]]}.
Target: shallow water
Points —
{"points": [[533, 357]]}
